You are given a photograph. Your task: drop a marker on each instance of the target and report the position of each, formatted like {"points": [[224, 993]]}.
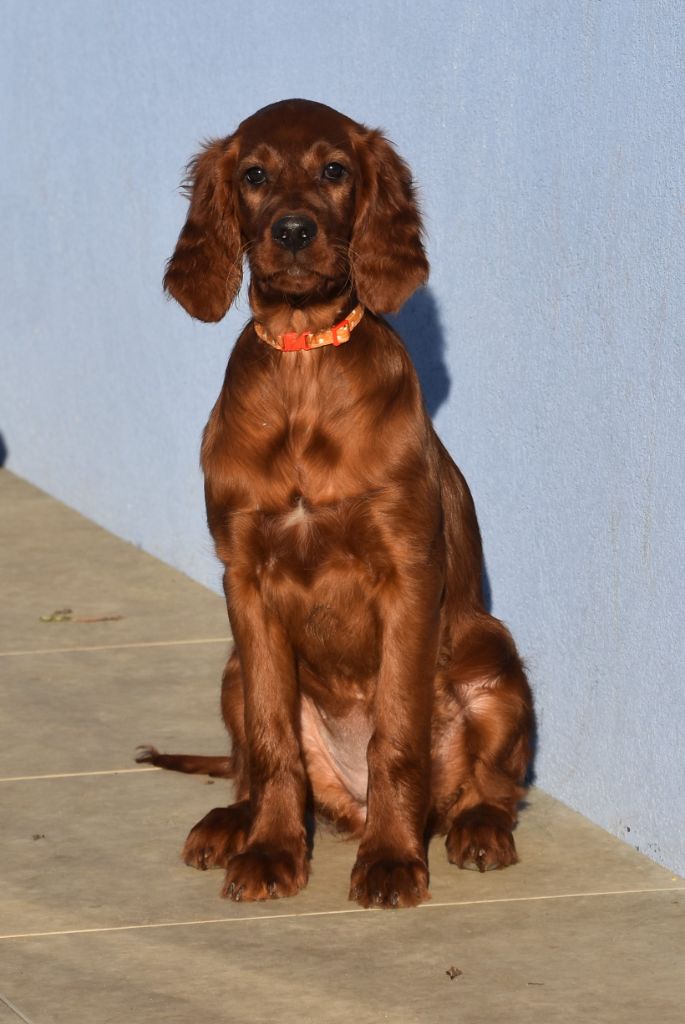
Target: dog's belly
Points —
{"points": [[335, 751]]}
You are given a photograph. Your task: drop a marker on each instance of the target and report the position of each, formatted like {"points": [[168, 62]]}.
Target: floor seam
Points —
{"points": [[300, 915], [14, 1009], [116, 647], [78, 775]]}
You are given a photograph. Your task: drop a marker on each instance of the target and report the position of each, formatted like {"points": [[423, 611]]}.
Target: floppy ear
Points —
{"points": [[386, 252], [206, 269]]}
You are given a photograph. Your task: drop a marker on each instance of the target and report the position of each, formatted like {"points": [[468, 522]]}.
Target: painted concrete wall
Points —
{"points": [[547, 138]]}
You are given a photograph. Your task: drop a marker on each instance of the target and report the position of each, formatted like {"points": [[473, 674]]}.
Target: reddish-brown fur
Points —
{"points": [[349, 538]]}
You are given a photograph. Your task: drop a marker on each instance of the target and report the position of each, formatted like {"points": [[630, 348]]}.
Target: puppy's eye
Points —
{"points": [[334, 171], [255, 175]]}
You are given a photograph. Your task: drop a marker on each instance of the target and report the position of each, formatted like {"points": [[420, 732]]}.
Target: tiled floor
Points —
{"points": [[101, 923]]}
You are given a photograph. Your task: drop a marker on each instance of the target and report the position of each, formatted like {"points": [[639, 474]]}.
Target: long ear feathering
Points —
{"points": [[387, 255], [205, 271]]}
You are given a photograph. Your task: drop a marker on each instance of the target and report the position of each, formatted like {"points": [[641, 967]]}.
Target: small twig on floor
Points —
{"points": [[97, 618], [66, 615]]}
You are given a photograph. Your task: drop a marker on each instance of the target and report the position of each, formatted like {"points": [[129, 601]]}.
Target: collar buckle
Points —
{"points": [[293, 342]]}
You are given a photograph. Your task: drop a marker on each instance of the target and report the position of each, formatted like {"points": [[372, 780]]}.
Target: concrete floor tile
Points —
{"points": [[10, 1014], [103, 852], [88, 710], [54, 558], [16, 491], [602, 960]]}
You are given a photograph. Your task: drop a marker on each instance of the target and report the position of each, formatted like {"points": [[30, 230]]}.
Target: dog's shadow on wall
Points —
{"points": [[418, 324]]}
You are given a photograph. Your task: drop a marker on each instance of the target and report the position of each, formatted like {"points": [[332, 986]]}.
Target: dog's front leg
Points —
{"points": [[391, 868], [274, 860]]}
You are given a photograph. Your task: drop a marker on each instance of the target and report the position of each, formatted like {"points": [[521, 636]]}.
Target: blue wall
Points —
{"points": [[548, 142]]}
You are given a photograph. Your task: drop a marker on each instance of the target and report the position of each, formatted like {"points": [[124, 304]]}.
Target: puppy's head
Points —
{"points": [[320, 205]]}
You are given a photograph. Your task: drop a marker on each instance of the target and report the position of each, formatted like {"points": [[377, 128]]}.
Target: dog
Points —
{"points": [[367, 683]]}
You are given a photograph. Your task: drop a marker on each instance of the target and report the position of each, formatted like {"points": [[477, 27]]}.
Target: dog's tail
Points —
{"points": [[192, 764]]}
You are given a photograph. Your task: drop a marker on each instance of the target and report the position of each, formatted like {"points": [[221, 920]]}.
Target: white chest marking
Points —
{"points": [[298, 516]]}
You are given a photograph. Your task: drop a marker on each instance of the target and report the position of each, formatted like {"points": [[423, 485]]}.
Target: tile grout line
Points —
{"points": [[117, 647], [77, 775], [14, 1009], [331, 913]]}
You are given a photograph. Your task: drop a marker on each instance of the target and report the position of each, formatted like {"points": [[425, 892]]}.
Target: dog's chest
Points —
{"points": [[305, 540], [301, 515], [320, 569], [318, 501]]}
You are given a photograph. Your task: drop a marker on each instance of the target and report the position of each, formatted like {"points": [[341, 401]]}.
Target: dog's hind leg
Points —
{"points": [[483, 757]]}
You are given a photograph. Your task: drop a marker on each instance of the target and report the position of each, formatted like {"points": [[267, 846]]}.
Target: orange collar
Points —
{"points": [[292, 342]]}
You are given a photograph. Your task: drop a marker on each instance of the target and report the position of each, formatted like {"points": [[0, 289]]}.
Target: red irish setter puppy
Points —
{"points": [[367, 682]]}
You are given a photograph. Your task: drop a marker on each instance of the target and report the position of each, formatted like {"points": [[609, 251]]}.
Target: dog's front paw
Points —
{"points": [[389, 882], [481, 839], [218, 836], [259, 873]]}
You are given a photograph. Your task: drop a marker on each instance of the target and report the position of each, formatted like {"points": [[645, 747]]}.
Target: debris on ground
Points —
{"points": [[67, 615], [453, 972]]}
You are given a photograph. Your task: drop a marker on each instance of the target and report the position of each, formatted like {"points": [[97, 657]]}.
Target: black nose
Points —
{"points": [[294, 231]]}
